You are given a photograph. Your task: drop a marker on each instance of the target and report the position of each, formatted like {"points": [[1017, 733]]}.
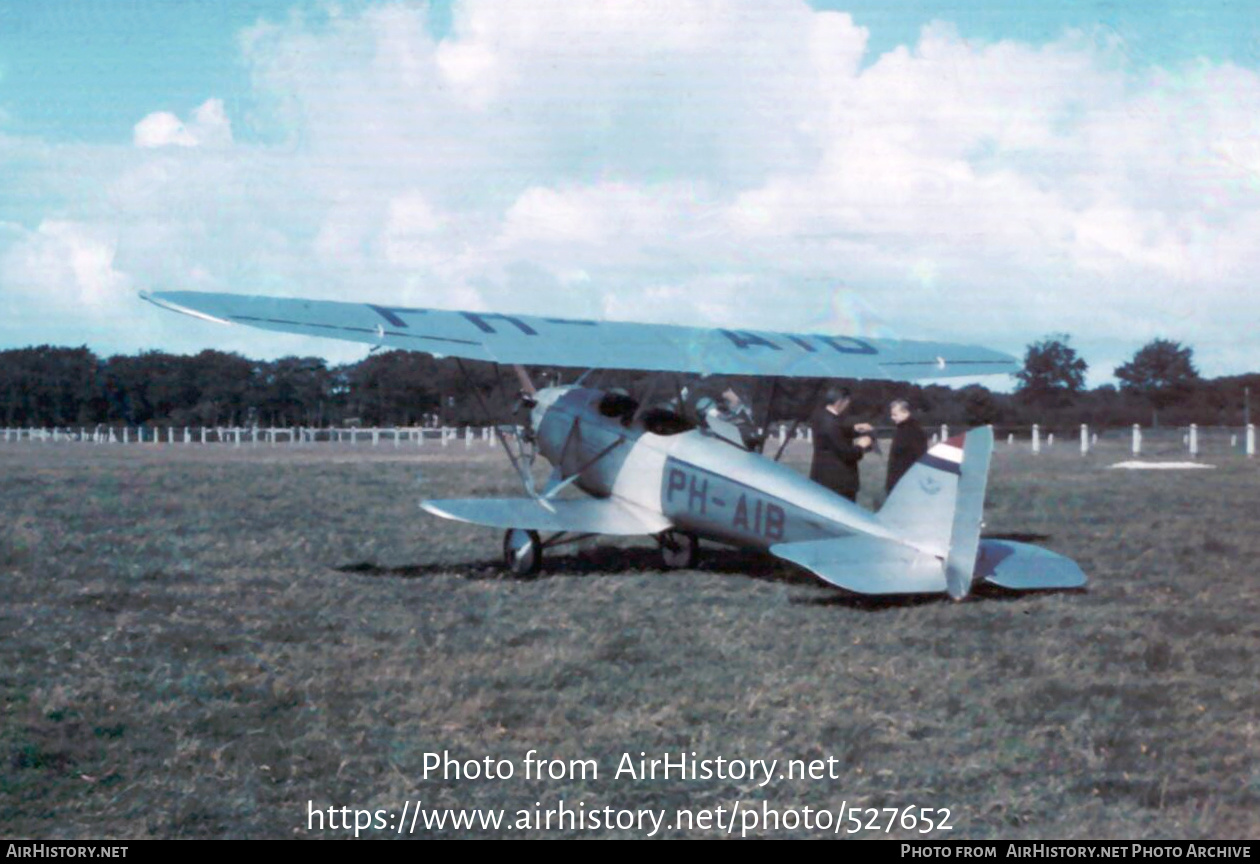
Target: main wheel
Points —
{"points": [[679, 549], [522, 552]]}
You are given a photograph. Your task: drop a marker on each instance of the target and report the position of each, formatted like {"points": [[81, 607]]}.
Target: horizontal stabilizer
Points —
{"points": [[1021, 567], [867, 565], [579, 516]]}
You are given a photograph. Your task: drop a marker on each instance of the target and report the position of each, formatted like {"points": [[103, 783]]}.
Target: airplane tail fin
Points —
{"points": [[938, 504]]}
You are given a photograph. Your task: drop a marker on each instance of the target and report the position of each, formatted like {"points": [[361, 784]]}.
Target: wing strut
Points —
{"points": [[813, 400], [527, 477], [565, 481]]}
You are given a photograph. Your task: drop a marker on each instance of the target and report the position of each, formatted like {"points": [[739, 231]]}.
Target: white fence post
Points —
{"points": [[944, 432], [1084, 439], [468, 435], [376, 436], [1010, 439], [1137, 440], [1050, 440], [1194, 440], [1251, 439], [1036, 439]]}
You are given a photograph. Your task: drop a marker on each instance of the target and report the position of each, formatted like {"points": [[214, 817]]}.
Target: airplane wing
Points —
{"points": [[580, 516], [578, 343]]}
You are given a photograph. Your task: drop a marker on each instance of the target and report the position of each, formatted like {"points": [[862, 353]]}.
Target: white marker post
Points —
{"points": [[1194, 440], [1036, 439], [1137, 440], [1084, 439], [944, 432], [1010, 439], [1251, 439]]}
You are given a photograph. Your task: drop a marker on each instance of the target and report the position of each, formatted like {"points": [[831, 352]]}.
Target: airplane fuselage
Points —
{"points": [[689, 476]]}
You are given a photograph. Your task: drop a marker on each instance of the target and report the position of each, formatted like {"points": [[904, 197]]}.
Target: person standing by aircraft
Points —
{"points": [[837, 446], [909, 442]]}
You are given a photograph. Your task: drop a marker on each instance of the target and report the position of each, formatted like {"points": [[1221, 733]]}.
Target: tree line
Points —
{"points": [[59, 386], [56, 386]]}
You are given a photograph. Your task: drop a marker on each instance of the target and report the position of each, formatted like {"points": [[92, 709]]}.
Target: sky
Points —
{"points": [[987, 172]]}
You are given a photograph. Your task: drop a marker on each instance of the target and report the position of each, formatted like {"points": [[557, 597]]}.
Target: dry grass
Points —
{"points": [[195, 642]]}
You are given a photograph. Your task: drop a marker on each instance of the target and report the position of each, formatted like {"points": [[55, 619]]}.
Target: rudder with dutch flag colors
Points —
{"points": [[938, 504]]}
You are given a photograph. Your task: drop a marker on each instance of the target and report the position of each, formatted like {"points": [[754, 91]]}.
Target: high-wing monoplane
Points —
{"points": [[658, 467]]}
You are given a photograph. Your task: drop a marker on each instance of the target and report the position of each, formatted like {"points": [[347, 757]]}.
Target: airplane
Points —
{"points": [[664, 469]]}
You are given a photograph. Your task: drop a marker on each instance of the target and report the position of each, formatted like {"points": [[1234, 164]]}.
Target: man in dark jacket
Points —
{"points": [[908, 444], [837, 451]]}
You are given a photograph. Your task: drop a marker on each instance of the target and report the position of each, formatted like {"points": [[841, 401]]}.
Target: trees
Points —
{"points": [[48, 385], [1162, 371], [1052, 372]]}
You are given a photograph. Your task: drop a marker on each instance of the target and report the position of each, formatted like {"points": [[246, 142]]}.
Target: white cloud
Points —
{"points": [[724, 160], [66, 263], [209, 128]]}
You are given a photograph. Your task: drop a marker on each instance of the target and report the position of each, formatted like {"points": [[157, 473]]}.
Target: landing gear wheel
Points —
{"points": [[522, 552], [680, 550]]}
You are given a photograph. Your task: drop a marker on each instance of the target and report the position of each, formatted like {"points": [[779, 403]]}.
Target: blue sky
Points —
{"points": [[978, 171]]}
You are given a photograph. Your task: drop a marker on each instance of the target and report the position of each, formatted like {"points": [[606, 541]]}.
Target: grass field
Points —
{"points": [[195, 642]]}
